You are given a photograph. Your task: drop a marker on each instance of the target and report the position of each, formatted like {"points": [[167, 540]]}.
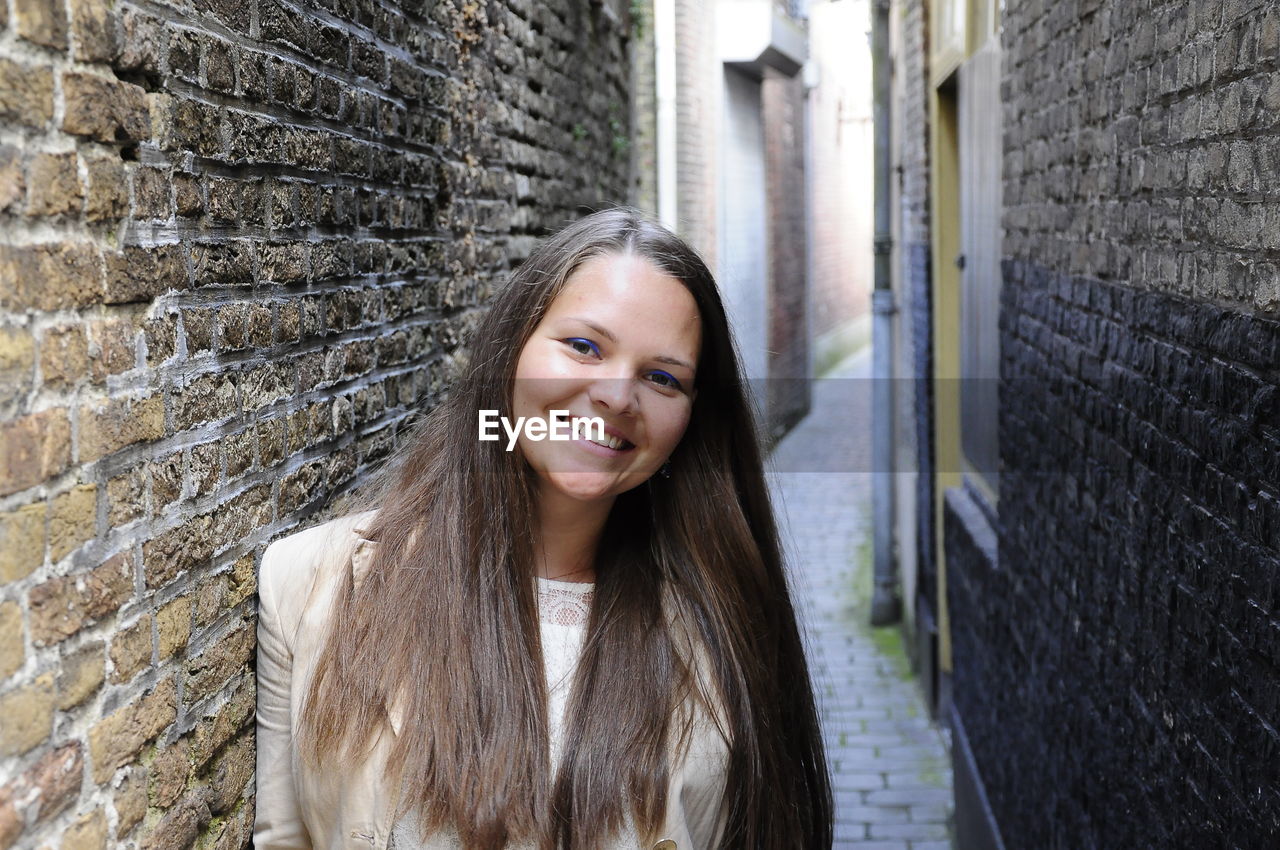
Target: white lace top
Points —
{"points": [[563, 608]]}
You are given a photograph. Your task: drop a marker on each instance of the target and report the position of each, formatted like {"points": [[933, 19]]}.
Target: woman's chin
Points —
{"points": [[589, 486]]}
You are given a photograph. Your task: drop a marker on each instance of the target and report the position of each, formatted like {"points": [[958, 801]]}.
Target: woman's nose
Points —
{"points": [[615, 393]]}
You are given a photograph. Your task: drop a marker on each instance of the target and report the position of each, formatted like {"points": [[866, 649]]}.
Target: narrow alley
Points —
{"points": [[890, 768]]}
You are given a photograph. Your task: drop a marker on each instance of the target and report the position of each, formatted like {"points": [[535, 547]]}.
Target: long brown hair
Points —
{"points": [[447, 617]]}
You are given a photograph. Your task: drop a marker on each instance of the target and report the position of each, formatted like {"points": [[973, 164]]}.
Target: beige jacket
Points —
{"points": [[353, 806]]}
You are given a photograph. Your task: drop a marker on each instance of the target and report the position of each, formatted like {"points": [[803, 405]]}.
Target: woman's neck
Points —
{"points": [[568, 533]]}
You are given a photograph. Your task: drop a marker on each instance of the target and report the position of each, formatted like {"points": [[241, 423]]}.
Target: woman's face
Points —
{"points": [[620, 342]]}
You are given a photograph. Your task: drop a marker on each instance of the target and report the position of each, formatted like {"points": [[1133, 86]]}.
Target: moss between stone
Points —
{"points": [[888, 639]]}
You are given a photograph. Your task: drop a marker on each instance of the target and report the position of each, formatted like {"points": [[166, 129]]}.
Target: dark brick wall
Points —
{"points": [[1142, 140], [782, 110], [241, 242], [1116, 668], [1116, 665], [920, 288], [914, 325]]}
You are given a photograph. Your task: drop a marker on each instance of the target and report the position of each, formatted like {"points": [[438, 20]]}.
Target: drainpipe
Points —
{"points": [[886, 606]]}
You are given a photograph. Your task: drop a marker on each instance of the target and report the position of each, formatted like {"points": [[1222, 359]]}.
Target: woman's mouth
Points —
{"points": [[614, 443]]}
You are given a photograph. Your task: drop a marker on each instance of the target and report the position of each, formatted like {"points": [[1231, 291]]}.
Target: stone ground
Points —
{"points": [[890, 768]]}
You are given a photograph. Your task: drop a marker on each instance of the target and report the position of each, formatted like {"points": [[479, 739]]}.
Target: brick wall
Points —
{"points": [[644, 115], [241, 241], [1115, 665], [841, 183], [698, 104], [1141, 141], [914, 296], [782, 100]]}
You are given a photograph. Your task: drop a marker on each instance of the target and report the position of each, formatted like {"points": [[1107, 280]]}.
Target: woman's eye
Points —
{"points": [[583, 346], [664, 379]]}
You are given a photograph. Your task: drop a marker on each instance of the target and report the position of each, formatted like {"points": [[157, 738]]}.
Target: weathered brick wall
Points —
{"points": [[914, 297], [699, 81], [644, 113], [842, 163], [240, 243], [1141, 144], [1116, 665], [783, 112]]}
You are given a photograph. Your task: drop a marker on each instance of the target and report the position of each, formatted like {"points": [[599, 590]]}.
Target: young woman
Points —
{"points": [[575, 644]]}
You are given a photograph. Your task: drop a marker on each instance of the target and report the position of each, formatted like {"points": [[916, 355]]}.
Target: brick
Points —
{"points": [[216, 666], [193, 126], [213, 732], [17, 362], [173, 624], [109, 425], [64, 605], [64, 355], [50, 276], [107, 189], [12, 653], [166, 480], [206, 468], [53, 185], [161, 335], [22, 541], [117, 739], [33, 449], [88, 832], [179, 826], [170, 772], [80, 674], [126, 497], [131, 650], [28, 716], [151, 191], [72, 520], [179, 550], [142, 42], [142, 273], [41, 22], [94, 31], [188, 197], [130, 801], [209, 398], [113, 347], [244, 581], [208, 604], [105, 110], [231, 772], [42, 792], [26, 94], [13, 181], [11, 824]]}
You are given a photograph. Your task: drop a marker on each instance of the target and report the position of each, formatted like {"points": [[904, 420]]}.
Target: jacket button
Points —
{"points": [[665, 844]]}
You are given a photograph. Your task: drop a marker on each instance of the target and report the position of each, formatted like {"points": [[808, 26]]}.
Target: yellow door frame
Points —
{"points": [[961, 27]]}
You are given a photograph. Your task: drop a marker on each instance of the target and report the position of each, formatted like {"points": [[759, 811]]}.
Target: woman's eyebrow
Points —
{"points": [[661, 358], [597, 328]]}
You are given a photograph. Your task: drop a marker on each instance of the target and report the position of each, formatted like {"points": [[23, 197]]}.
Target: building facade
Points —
{"points": [[1090, 324], [240, 246]]}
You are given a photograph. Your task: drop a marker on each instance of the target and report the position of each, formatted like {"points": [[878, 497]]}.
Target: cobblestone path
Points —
{"points": [[890, 768]]}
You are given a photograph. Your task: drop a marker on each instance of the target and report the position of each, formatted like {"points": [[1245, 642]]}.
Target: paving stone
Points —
{"points": [[933, 831], [889, 763]]}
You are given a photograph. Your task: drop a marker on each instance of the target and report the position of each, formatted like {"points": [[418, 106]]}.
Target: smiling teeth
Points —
{"points": [[610, 442]]}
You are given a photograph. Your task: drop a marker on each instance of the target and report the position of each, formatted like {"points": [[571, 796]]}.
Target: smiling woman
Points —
{"points": [[553, 647]]}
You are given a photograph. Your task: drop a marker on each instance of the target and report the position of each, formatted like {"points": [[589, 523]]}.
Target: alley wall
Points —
{"points": [[1115, 664], [241, 243]]}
